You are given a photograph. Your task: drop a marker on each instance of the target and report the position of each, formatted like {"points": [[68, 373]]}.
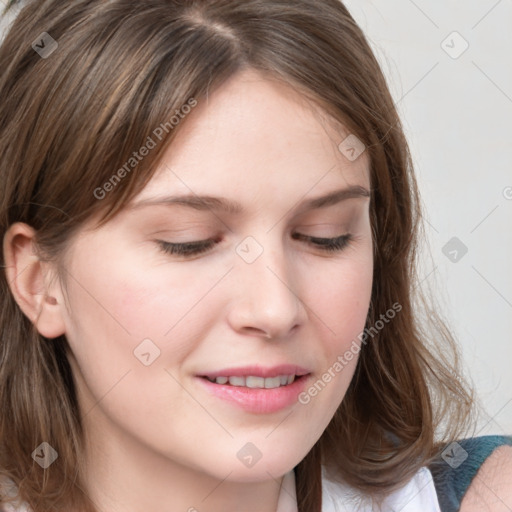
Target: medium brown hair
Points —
{"points": [[70, 120]]}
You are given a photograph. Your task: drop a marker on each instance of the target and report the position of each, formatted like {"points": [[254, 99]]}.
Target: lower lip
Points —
{"points": [[258, 400]]}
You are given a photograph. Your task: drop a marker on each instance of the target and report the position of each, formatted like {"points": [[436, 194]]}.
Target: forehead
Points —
{"points": [[257, 136]]}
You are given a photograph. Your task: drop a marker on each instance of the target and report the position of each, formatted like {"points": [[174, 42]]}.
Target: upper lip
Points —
{"points": [[257, 371]]}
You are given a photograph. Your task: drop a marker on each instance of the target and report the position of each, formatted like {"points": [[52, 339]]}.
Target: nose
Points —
{"points": [[266, 300]]}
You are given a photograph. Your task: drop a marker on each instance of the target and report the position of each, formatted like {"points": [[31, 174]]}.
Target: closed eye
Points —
{"points": [[198, 247]]}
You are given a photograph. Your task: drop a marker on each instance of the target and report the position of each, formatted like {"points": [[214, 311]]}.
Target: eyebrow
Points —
{"points": [[234, 208]]}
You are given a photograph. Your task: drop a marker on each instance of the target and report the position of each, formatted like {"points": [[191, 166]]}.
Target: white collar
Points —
{"points": [[417, 495]]}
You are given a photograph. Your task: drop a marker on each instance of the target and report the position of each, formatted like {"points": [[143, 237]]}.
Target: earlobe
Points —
{"points": [[28, 280]]}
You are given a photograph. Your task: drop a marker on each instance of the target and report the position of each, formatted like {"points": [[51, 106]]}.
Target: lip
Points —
{"points": [[257, 400], [257, 371]]}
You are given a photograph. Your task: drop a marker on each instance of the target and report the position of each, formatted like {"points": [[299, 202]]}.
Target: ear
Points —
{"points": [[29, 280]]}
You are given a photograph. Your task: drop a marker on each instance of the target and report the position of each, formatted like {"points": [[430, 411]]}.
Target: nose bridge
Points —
{"points": [[267, 284]]}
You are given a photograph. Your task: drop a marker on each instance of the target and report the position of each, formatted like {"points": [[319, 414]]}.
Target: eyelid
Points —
{"points": [[197, 247]]}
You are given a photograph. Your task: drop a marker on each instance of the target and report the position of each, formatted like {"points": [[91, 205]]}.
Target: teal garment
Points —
{"points": [[458, 464]]}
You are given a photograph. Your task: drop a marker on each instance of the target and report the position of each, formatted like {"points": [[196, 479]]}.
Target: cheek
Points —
{"points": [[118, 315], [114, 307], [122, 293], [342, 296], [341, 299]]}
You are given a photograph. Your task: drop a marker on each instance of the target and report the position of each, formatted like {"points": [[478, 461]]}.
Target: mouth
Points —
{"points": [[256, 394], [255, 382]]}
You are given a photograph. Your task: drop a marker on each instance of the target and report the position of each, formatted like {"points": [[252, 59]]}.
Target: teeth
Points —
{"points": [[255, 382], [270, 383], [237, 381]]}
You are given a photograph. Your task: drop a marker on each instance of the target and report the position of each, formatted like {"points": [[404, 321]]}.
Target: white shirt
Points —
{"points": [[418, 495]]}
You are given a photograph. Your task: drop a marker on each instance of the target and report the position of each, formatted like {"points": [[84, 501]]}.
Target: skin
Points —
{"points": [[157, 440], [491, 488]]}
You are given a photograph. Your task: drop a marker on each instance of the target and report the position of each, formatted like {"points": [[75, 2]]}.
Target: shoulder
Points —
{"points": [[491, 488], [474, 474]]}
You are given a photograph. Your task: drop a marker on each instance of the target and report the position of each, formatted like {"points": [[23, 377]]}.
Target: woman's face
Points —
{"points": [[144, 324]]}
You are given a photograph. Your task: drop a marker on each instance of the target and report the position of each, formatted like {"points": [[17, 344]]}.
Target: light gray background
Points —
{"points": [[457, 113]]}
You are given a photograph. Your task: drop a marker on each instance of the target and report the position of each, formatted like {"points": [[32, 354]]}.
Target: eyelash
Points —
{"points": [[329, 245]]}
